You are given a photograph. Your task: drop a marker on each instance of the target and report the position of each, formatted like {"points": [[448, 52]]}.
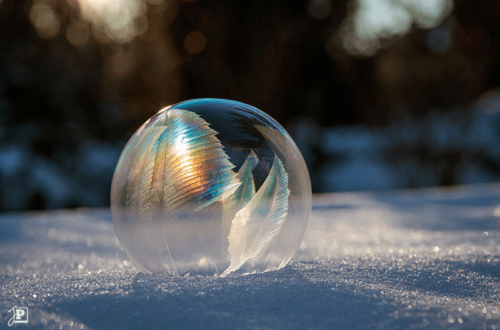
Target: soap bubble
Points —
{"points": [[210, 186]]}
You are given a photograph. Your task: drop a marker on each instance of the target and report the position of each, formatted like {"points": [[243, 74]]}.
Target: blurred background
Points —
{"points": [[378, 94]]}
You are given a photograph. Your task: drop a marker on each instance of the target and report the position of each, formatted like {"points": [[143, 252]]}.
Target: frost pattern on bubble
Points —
{"points": [[180, 206], [256, 224]]}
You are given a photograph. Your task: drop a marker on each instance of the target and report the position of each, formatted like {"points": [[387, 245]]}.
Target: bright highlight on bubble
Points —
{"points": [[210, 186]]}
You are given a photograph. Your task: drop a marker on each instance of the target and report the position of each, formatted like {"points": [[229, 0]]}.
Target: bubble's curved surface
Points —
{"points": [[210, 186]]}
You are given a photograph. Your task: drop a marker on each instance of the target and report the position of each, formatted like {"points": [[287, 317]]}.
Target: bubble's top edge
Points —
{"points": [[237, 105], [197, 101]]}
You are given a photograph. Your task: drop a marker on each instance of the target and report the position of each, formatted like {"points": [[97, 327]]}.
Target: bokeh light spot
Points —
{"points": [[45, 20], [195, 42], [114, 19], [381, 16], [78, 34], [374, 20], [427, 13]]}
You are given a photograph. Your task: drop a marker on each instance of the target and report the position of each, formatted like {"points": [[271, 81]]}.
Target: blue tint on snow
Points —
{"points": [[409, 259], [355, 155]]}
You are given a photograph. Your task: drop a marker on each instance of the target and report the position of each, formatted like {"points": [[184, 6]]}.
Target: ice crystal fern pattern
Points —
{"points": [[180, 205]]}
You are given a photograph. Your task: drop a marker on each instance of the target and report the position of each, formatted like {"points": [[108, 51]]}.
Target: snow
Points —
{"points": [[409, 259], [24, 176]]}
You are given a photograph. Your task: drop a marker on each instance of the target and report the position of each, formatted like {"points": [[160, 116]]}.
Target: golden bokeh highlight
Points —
{"points": [[114, 20], [78, 34], [45, 20], [195, 42]]}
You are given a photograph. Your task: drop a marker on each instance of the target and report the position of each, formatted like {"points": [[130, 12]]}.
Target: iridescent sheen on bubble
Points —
{"points": [[210, 186]]}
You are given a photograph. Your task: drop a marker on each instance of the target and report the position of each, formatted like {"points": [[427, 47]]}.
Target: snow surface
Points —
{"points": [[414, 259]]}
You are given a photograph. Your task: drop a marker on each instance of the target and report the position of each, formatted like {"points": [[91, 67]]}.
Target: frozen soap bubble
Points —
{"points": [[210, 186]]}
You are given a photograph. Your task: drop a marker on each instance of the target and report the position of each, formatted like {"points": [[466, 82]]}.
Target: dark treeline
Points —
{"points": [[67, 88]]}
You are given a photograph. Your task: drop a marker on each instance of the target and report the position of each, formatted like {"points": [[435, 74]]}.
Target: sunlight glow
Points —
{"points": [[120, 20]]}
